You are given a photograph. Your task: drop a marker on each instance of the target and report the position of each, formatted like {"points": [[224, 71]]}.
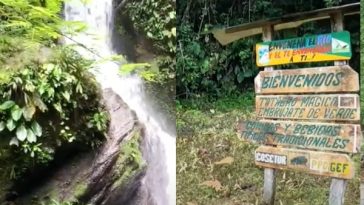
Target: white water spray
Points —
{"points": [[160, 149]]}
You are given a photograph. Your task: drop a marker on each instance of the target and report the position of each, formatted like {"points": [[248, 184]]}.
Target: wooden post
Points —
{"points": [[337, 24], [269, 174], [338, 186], [362, 192]]}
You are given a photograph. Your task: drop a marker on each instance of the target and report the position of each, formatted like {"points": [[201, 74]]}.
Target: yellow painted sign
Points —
{"points": [[330, 79], [323, 47], [314, 162], [308, 135]]}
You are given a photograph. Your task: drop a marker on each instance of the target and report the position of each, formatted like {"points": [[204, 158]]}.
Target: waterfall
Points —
{"points": [[159, 150]]}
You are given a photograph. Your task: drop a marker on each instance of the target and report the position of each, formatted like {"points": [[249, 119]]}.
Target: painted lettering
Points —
{"points": [[271, 158]]}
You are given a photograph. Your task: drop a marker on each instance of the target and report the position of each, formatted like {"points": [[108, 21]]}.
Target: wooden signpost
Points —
{"points": [[307, 135], [306, 116], [313, 162], [269, 173], [337, 186], [323, 47], [342, 107], [331, 79]]}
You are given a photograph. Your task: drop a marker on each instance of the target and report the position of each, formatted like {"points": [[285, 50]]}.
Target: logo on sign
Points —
{"points": [[329, 166], [300, 160], [263, 54], [339, 46]]}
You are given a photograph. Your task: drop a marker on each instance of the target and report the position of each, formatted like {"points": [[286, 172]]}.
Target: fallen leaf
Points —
{"points": [[213, 184], [226, 160]]}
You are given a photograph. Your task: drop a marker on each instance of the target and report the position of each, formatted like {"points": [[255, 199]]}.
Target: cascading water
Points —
{"points": [[160, 147]]}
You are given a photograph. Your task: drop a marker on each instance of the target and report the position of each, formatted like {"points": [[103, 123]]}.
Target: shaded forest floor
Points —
{"points": [[215, 167]]}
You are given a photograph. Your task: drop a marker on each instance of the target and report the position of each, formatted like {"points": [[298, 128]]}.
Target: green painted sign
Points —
{"points": [[323, 47]]}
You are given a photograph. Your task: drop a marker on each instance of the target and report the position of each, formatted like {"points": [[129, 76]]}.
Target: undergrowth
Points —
{"points": [[206, 135]]}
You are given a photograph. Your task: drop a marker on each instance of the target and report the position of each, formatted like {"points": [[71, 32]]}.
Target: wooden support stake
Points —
{"points": [[337, 191], [269, 186], [337, 24], [269, 174], [338, 186], [362, 193]]}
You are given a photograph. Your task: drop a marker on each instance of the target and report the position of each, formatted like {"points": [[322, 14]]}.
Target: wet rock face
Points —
{"points": [[101, 188], [110, 175]]}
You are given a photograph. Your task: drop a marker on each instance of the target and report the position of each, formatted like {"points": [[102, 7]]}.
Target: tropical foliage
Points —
{"points": [[204, 67], [362, 67], [48, 97], [156, 19]]}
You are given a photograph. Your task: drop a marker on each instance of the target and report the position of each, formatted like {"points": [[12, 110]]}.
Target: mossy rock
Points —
{"points": [[99, 176]]}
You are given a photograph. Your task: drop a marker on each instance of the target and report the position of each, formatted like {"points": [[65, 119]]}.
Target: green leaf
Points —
{"points": [[240, 77], [2, 126], [16, 113], [167, 33], [14, 141], [39, 103], [21, 133], [37, 129], [66, 95], [6, 105], [58, 107], [149, 34], [173, 31], [17, 24], [79, 88], [248, 73], [10, 124], [31, 136], [172, 14], [128, 68], [205, 66], [148, 76], [28, 112]]}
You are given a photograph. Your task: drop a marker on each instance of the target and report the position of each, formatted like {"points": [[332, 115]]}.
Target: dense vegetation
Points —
{"points": [[204, 67], [362, 64], [146, 30], [48, 97], [155, 20]]}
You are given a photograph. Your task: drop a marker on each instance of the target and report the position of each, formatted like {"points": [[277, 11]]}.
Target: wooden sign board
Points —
{"points": [[310, 80], [314, 162], [323, 47], [308, 135], [341, 107]]}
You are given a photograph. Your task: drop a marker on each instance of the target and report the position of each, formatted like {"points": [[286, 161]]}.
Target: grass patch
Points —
{"points": [[206, 135]]}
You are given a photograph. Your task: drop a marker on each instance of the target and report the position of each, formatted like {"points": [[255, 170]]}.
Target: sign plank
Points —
{"points": [[310, 80], [323, 47], [340, 107], [313, 162], [309, 135]]}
